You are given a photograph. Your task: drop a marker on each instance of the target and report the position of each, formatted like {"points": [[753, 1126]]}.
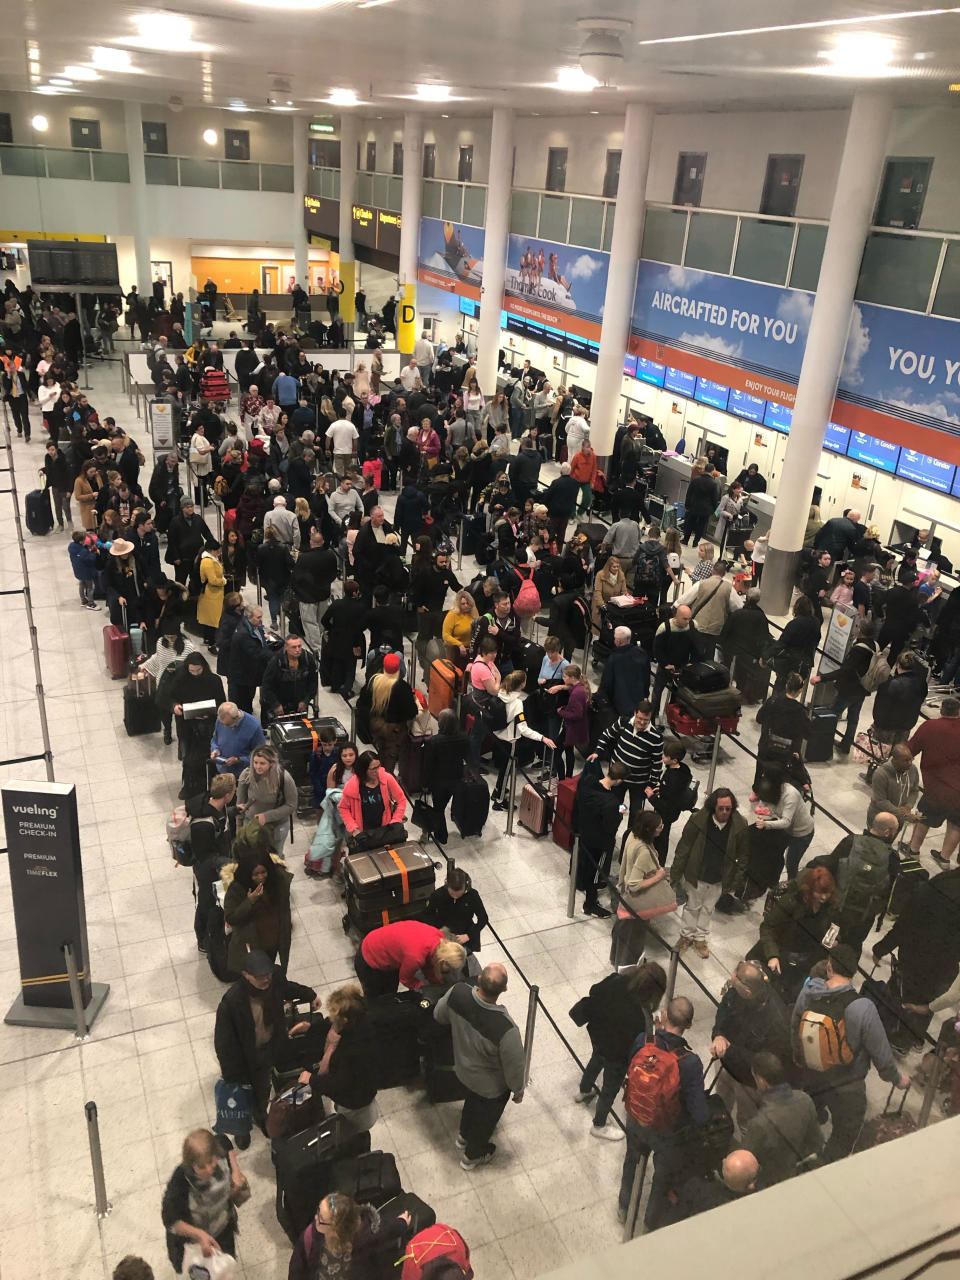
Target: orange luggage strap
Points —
{"points": [[404, 875], [313, 733]]}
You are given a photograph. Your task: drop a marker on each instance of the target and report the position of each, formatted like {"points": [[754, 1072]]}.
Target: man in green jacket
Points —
{"points": [[711, 859]]}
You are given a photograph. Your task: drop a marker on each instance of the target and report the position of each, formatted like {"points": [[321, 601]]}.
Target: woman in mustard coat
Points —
{"points": [[210, 600]]}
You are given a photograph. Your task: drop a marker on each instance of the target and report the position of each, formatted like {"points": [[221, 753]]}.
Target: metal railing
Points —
{"points": [[225, 175], [81, 163]]}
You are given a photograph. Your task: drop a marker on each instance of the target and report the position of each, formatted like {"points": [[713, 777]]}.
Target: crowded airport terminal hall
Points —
{"points": [[504, 818]]}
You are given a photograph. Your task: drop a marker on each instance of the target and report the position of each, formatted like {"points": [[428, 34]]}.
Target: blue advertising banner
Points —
{"points": [[556, 284], [451, 257]]}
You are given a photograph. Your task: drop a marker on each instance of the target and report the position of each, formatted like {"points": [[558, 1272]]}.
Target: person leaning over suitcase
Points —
{"points": [[251, 1036], [488, 1059], [408, 952]]}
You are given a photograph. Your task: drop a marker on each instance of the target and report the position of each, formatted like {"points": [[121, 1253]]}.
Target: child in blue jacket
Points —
{"points": [[83, 559]]}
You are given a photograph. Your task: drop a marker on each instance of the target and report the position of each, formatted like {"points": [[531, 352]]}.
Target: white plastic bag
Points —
{"points": [[219, 1266]]}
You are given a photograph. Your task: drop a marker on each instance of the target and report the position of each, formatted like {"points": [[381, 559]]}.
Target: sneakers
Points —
{"points": [[610, 1132], [89, 604], [940, 860], [595, 909], [467, 1165], [684, 944], [497, 806], [580, 1096], [461, 1143], [702, 950]]}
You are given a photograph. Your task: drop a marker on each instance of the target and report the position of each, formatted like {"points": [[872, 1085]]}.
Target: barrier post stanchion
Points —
{"points": [[76, 996], [511, 795], [934, 1078], [460, 543], [715, 756], [672, 974], [353, 723], [586, 648], [96, 1159], [636, 1191], [413, 662], [574, 867], [528, 1033]]}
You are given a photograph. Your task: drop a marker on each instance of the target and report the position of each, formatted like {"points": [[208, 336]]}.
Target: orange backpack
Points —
{"points": [[651, 1093]]}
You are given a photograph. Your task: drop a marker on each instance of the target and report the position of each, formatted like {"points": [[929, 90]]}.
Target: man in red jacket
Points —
{"points": [[937, 742]]}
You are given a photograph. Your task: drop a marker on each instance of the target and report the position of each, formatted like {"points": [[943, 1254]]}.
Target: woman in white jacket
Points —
{"points": [[731, 504], [787, 811], [511, 695]]}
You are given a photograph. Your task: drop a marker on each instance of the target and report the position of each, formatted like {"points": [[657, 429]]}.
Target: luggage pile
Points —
{"points": [[386, 885], [705, 698], [214, 387]]}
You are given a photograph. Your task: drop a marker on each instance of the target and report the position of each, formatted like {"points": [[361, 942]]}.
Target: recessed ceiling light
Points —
{"points": [[373, 4], [33, 54], [164, 30], [109, 59], [81, 73], [283, 106], [61, 83], [859, 53], [433, 92], [342, 98], [40, 123], [48, 89], [210, 137], [594, 113], [445, 115], [575, 80]]}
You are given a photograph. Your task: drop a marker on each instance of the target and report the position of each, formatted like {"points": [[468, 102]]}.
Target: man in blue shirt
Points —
{"points": [[285, 389], [669, 1147], [236, 735]]}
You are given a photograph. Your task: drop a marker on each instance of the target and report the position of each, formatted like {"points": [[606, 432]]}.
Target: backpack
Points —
{"points": [[221, 486], [485, 552], [179, 828], [822, 1042], [863, 877], [527, 600], [648, 567], [878, 672], [651, 1092], [494, 715]]}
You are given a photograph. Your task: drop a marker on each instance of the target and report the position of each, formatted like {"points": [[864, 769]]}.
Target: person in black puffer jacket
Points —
{"points": [[347, 1072], [899, 700], [230, 619]]}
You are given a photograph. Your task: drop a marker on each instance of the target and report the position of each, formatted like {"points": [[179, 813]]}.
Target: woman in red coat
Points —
{"points": [[410, 952]]}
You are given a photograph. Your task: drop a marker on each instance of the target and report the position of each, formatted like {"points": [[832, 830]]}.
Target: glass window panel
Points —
{"points": [[807, 257], [947, 301], [335, 191], [394, 194], [199, 173], [898, 271], [381, 190], [554, 215], [22, 162], [161, 171], [431, 199], [236, 175], [586, 223], [315, 182], [68, 164], [710, 242], [608, 226], [111, 166], [663, 235], [763, 250], [474, 205], [363, 189], [524, 213], [276, 177], [451, 203]]}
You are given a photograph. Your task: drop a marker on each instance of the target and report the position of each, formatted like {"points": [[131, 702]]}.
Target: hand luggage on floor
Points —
{"points": [[421, 1214], [704, 677], [536, 808], [563, 819], [439, 1074], [38, 513], [304, 1167], [396, 1027], [473, 529], [442, 689], [116, 651], [752, 679], [820, 741], [384, 885], [470, 805], [887, 1126], [140, 714], [294, 1110], [686, 725], [217, 946], [370, 1179], [410, 768], [707, 706], [296, 737]]}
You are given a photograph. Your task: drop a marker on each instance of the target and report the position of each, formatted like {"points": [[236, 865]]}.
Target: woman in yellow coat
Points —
{"points": [[210, 600]]}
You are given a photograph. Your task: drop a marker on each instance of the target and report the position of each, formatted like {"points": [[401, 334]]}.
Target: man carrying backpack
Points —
{"points": [[663, 1096], [853, 683], [864, 867], [649, 565], [837, 1036]]}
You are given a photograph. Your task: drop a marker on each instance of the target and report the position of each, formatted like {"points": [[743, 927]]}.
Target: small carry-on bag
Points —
{"points": [[116, 648], [537, 802]]}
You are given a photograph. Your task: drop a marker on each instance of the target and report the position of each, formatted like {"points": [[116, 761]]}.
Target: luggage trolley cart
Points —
{"points": [[689, 718]]}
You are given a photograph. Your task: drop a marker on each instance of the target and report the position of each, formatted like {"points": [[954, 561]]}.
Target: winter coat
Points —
{"points": [[210, 603], [241, 915], [688, 859], [394, 802], [330, 832]]}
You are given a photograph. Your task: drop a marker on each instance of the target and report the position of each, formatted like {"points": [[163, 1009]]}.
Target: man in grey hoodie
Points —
{"points": [[488, 1059], [841, 1089]]}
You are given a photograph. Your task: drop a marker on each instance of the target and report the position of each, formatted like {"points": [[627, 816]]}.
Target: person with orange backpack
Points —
{"points": [[663, 1096]]}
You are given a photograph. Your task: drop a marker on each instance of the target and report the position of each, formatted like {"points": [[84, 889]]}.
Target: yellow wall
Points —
{"points": [[242, 275]]}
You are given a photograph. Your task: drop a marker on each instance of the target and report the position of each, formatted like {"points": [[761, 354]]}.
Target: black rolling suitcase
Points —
{"points": [[471, 805], [820, 742], [436, 1042], [296, 737], [385, 885], [705, 677], [396, 1027], [140, 714], [752, 680], [370, 1179], [305, 1165], [38, 513], [473, 528]]}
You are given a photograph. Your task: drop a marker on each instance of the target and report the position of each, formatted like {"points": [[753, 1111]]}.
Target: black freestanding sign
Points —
{"points": [[46, 878]]}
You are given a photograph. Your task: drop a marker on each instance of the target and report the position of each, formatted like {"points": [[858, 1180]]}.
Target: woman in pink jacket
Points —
{"points": [[372, 797], [428, 443]]}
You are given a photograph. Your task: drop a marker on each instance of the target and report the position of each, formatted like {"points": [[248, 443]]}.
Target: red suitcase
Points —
{"points": [[563, 819], [442, 686], [116, 651], [688, 726]]}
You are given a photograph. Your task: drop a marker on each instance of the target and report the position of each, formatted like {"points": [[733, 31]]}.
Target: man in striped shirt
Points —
{"points": [[635, 742]]}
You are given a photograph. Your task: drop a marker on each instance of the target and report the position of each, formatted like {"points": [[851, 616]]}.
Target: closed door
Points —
{"points": [[782, 185], [903, 191], [270, 279], [465, 165], [557, 169], [688, 188]]}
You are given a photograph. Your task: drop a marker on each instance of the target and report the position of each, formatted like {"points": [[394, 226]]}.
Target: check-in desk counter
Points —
{"points": [[673, 476], [760, 506]]}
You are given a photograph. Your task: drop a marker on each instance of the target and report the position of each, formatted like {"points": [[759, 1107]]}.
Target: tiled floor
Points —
{"points": [[547, 1198]]}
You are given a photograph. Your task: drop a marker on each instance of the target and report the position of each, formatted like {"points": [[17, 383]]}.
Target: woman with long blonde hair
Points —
{"points": [[384, 709]]}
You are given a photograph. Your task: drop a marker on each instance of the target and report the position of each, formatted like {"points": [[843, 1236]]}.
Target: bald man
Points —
{"points": [[864, 867], [488, 1059], [737, 1178]]}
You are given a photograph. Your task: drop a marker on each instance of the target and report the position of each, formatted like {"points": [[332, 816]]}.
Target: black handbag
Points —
{"points": [[580, 1013], [378, 837], [425, 816]]}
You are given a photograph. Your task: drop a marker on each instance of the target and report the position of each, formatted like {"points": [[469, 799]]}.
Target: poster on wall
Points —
{"points": [[556, 284], [451, 257]]}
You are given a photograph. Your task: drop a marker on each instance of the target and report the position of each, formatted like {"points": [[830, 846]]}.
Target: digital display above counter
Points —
{"points": [[931, 472], [836, 438], [552, 337], [876, 453], [629, 366], [684, 384], [714, 394], [778, 416], [746, 406], [650, 371]]}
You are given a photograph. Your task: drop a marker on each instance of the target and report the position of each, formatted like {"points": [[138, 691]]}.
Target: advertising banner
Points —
{"points": [[46, 881], [451, 257], [556, 284]]}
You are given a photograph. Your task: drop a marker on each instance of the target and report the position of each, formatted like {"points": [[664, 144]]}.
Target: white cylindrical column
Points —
{"points": [[495, 245], [301, 243], [133, 130], [410, 206], [622, 277], [349, 133], [854, 199]]}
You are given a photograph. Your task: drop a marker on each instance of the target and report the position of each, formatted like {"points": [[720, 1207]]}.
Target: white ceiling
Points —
{"points": [[494, 51]]}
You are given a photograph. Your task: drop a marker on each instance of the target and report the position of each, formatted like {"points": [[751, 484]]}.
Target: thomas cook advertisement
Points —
{"points": [[451, 257], [556, 284]]}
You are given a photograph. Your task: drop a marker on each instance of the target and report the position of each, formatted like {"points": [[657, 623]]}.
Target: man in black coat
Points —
{"points": [[248, 658], [596, 817], [525, 471], [313, 574], [675, 644], [146, 548], [838, 534], [703, 494], [344, 621], [244, 366], [289, 682], [256, 1001], [561, 501], [187, 536], [164, 490], [369, 551], [746, 638], [626, 674], [750, 1018]]}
